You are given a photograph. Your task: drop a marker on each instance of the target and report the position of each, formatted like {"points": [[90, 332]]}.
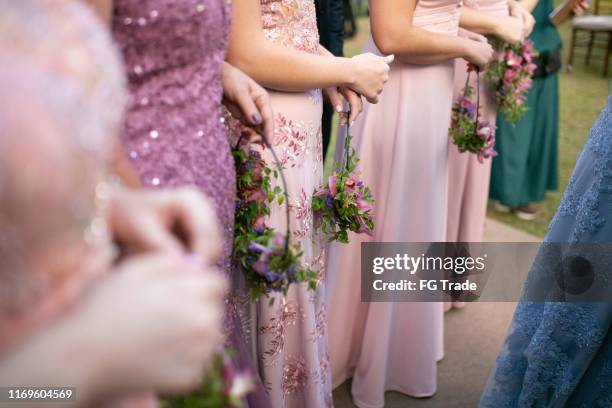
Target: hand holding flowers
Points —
{"points": [[345, 204], [468, 132]]}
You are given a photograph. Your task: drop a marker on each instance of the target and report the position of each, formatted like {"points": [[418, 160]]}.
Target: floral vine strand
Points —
{"points": [[511, 76], [467, 130], [346, 203], [267, 258]]}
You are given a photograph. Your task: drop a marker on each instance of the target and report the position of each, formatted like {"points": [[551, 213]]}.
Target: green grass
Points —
{"points": [[583, 95]]}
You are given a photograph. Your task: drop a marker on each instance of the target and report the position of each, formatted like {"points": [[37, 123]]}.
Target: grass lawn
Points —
{"points": [[583, 95]]}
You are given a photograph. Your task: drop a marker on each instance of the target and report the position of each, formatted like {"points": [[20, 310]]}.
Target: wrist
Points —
{"points": [[348, 71]]}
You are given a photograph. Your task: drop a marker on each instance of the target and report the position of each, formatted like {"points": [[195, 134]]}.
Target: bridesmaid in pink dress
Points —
{"points": [[468, 179], [402, 143], [282, 52]]}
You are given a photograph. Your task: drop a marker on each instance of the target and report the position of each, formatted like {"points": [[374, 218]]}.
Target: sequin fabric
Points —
{"points": [[174, 134], [559, 354]]}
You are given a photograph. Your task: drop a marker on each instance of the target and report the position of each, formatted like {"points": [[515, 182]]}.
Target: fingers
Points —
{"points": [[262, 101], [247, 105], [197, 218], [335, 99], [355, 103], [389, 58]]}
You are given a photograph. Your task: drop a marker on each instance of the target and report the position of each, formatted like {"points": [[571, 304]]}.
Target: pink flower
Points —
{"points": [[524, 84], [363, 205], [260, 223], [333, 190], [531, 67], [351, 182], [513, 60], [363, 228], [257, 195], [279, 240], [509, 76]]}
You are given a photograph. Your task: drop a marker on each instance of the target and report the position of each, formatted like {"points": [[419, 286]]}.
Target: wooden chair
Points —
{"points": [[593, 26]]}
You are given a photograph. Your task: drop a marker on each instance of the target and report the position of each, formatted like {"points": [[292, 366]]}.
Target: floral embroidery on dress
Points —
{"points": [[295, 375], [320, 324], [289, 315], [303, 213], [295, 139], [291, 23]]}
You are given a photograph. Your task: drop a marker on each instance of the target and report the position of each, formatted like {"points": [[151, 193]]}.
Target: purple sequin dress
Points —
{"points": [[174, 133]]}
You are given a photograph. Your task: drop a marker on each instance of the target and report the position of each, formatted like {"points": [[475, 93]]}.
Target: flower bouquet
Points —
{"points": [[270, 263], [345, 204], [225, 387], [511, 77], [467, 130]]}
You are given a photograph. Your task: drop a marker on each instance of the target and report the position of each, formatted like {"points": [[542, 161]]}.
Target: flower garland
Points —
{"points": [[467, 130], [346, 203], [511, 77], [270, 263], [224, 387]]}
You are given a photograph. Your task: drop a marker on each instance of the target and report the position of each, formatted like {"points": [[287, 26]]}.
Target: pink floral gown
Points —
{"points": [[290, 337]]}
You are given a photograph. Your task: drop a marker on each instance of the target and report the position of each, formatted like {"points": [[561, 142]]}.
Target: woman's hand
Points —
{"points": [[337, 96], [369, 74], [250, 101], [153, 324], [477, 52], [580, 7], [510, 29], [517, 10], [175, 221]]}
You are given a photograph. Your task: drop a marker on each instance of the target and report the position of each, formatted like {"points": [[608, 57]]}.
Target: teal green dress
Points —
{"points": [[526, 166]]}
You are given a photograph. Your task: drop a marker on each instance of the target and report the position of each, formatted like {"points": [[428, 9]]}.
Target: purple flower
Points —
{"points": [[329, 201], [254, 246], [261, 267]]}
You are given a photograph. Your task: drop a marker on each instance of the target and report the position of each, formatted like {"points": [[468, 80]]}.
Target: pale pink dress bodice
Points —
{"points": [[437, 15]]}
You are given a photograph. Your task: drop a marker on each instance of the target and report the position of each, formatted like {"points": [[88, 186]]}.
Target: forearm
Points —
{"points": [[479, 22], [413, 45], [268, 63], [276, 66], [529, 4]]}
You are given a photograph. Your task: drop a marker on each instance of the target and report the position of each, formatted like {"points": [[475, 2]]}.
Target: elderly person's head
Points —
{"points": [[52, 239]]}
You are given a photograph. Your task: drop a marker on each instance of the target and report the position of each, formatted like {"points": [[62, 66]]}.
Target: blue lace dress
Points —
{"points": [[559, 354]]}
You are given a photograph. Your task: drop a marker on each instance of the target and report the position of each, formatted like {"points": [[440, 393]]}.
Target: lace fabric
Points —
{"points": [[559, 354]]}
